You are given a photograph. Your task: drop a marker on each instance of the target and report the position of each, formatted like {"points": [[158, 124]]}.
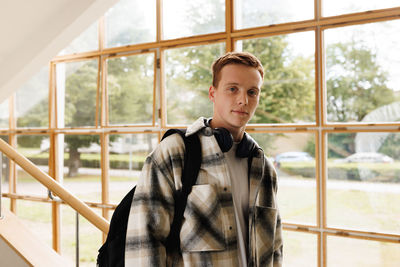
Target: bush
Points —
{"points": [[348, 171], [94, 163]]}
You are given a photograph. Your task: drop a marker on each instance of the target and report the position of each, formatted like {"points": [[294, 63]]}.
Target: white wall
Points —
{"points": [[9, 257], [33, 32]]}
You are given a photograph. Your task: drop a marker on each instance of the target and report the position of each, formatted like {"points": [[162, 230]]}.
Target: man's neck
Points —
{"points": [[237, 133]]}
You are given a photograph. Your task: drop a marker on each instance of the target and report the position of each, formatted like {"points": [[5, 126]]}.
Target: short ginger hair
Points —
{"points": [[242, 58]]}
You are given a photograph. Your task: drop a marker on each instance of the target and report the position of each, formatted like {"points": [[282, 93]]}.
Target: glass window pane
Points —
{"points": [[131, 22], [127, 155], [300, 249], [363, 73], [293, 157], [32, 101], [4, 114], [183, 18], [5, 169], [188, 77], [349, 252], [337, 7], [288, 92], [254, 13], [130, 83], [364, 181], [36, 149], [90, 238], [76, 93], [37, 217], [82, 173], [86, 41]]}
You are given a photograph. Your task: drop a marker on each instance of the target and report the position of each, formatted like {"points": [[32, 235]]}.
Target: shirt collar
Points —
{"points": [[199, 124]]}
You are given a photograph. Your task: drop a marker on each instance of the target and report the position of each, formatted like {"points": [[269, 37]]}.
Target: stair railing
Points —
{"points": [[54, 186]]}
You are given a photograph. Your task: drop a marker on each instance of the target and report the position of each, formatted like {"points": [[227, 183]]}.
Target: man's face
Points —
{"points": [[236, 97]]}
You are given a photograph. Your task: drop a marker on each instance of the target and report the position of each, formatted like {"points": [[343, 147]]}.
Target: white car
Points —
{"points": [[295, 156], [372, 157]]}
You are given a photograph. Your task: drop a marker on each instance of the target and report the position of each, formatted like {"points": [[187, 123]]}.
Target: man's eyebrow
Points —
{"points": [[236, 83], [231, 83]]}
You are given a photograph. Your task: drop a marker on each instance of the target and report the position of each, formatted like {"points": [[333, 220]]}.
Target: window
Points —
{"points": [[362, 76], [358, 252], [188, 78], [362, 181], [130, 85], [187, 18], [77, 93], [293, 155], [255, 13], [82, 173], [130, 22], [334, 7], [36, 149], [32, 101], [328, 119], [127, 154], [4, 123], [288, 92]]}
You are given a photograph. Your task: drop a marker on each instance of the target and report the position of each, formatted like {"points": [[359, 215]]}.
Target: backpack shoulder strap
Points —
{"points": [[190, 172], [112, 252]]}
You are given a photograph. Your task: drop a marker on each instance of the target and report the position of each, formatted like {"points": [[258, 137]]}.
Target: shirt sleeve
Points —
{"points": [[278, 241], [150, 216]]}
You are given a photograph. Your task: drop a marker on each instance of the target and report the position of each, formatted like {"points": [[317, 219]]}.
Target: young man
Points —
{"points": [[231, 217]]}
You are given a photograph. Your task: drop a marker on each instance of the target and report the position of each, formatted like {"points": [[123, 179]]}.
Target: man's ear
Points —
{"points": [[211, 92]]}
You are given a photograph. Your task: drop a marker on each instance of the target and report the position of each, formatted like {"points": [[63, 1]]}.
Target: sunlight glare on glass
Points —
{"points": [[338, 7], [256, 13], [131, 22], [358, 58], [4, 114], [183, 18]]}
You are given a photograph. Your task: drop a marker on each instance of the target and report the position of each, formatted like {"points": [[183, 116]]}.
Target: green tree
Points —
{"points": [[189, 76], [356, 83], [391, 146], [130, 83], [287, 94], [80, 110]]}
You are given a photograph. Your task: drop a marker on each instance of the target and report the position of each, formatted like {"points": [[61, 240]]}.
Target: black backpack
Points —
{"points": [[112, 252]]}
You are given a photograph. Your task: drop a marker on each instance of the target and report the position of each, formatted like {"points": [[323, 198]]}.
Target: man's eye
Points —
{"points": [[252, 92], [232, 89]]}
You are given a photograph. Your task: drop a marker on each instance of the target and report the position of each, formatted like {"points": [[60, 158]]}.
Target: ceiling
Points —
{"points": [[33, 32]]}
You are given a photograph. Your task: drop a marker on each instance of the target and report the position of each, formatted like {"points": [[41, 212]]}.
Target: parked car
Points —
{"points": [[293, 156], [372, 157]]}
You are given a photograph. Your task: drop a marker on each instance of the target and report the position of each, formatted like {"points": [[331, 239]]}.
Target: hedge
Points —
{"points": [[354, 172], [94, 163]]}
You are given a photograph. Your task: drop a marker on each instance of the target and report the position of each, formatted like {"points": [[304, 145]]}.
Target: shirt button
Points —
{"points": [[225, 189], [230, 227]]}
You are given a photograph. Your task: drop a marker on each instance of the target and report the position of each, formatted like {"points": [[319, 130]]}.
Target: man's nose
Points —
{"points": [[242, 98]]}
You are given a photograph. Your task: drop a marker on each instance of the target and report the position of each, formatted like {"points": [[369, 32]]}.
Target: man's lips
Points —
{"points": [[240, 112]]}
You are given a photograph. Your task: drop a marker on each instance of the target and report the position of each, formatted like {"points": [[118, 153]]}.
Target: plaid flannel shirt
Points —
{"points": [[208, 233]]}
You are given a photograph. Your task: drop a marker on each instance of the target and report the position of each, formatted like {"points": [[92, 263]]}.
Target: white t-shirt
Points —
{"points": [[238, 172]]}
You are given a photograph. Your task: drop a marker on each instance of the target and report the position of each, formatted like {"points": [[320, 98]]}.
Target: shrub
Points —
{"points": [[348, 171]]}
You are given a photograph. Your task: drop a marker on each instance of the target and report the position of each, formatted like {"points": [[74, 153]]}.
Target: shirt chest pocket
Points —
{"points": [[202, 228]]}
